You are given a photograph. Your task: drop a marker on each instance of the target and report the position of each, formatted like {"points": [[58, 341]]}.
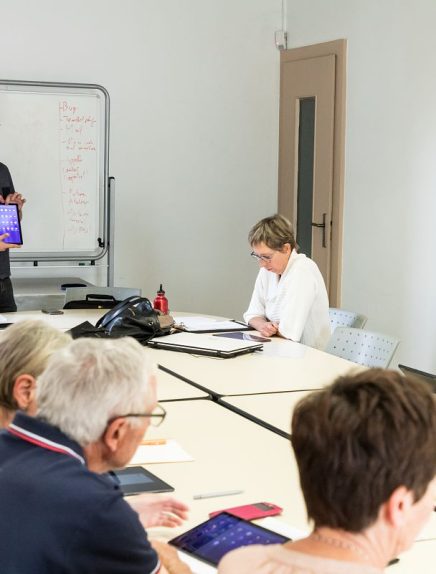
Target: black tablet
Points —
{"points": [[211, 540], [10, 223], [135, 479]]}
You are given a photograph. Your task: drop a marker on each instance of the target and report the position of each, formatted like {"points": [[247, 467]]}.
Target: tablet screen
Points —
{"points": [[10, 223], [136, 479], [242, 336], [212, 539]]}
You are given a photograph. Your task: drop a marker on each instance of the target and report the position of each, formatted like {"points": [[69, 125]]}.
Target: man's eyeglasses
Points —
{"points": [[265, 258], [157, 416]]}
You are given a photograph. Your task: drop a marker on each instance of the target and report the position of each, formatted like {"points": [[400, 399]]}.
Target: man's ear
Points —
{"points": [[397, 507], [24, 391], [114, 434]]}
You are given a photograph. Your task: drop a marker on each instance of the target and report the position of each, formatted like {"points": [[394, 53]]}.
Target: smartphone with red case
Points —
{"points": [[251, 511]]}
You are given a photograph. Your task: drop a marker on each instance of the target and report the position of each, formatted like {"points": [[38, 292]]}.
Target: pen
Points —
{"points": [[215, 494], [155, 441]]}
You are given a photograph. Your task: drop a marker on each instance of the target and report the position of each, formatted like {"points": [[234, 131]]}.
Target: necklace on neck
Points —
{"points": [[343, 544]]}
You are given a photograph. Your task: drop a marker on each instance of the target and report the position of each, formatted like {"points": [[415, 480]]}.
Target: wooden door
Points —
{"points": [[311, 153]]}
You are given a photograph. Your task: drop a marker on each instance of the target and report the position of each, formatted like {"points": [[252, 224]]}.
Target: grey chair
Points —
{"points": [[363, 347], [80, 293], [342, 318]]}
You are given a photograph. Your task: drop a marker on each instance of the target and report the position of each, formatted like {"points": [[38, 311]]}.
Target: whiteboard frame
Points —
{"points": [[65, 88]]}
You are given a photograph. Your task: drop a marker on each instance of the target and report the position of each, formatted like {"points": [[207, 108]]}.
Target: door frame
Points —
{"points": [[338, 48]]}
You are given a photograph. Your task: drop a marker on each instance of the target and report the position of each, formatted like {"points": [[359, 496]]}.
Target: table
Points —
{"points": [[272, 410], [169, 387], [305, 369], [283, 366], [67, 320], [420, 559], [230, 453]]}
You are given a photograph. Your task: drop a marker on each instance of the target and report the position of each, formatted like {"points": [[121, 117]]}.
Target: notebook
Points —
{"points": [[198, 344], [421, 375]]}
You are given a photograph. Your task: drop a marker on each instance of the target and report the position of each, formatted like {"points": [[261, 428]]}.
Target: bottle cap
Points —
{"points": [[161, 290]]}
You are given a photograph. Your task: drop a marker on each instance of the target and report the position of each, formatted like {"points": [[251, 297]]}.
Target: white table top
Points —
{"points": [[274, 409], [230, 453], [282, 366], [67, 320], [169, 387], [420, 559], [253, 373]]}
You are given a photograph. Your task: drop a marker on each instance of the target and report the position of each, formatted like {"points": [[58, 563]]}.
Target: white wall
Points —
{"points": [[194, 128], [194, 134], [389, 270]]}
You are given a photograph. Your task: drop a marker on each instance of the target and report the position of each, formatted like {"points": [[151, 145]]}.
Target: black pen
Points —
{"points": [[393, 561]]}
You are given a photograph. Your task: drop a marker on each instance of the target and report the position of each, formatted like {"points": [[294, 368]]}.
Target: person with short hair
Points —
{"points": [[366, 453], [25, 348], [289, 297], [62, 512]]}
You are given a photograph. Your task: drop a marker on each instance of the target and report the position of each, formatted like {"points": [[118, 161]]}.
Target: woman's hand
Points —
{"points": [[158, 510], [269, 329], [265, 328]]}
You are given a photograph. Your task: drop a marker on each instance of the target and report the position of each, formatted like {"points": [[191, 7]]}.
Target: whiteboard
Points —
{"points": [[54, 140]]}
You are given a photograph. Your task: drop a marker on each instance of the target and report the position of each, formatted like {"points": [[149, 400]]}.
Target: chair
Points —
{"points": [[342, 318], [363, 347], [109, 296]]}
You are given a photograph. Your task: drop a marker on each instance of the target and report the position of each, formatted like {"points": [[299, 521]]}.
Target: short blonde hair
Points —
{"points": [[274, 231], [25, 348]]}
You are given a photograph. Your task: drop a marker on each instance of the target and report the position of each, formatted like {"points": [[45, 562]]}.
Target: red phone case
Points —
{"points": [[251, 511]]}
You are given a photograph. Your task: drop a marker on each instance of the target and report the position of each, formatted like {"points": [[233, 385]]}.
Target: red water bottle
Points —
{"points": [[161, 302]]}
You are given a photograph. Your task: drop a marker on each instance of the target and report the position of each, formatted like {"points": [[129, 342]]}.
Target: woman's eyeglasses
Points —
{"points": [[265, 258]]}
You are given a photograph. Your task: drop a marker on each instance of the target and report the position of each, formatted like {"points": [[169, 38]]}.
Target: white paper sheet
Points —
{"points": [[169, 452]]}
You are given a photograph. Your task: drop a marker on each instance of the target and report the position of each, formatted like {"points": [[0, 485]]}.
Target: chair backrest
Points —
{"points": [[342, 318], [78, 294], [363, 347]]}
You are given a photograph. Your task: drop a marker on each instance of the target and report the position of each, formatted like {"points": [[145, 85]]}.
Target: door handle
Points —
{"points": [[323, 226]]}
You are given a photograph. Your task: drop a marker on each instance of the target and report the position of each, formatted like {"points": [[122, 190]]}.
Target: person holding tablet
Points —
{"points": [[366, 454], [7, 195], [289, 298]]}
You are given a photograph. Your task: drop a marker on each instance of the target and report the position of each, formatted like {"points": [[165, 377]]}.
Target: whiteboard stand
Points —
{"points": [[54, 138], [111, 232]]}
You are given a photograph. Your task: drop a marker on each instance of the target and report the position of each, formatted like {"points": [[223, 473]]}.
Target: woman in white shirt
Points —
{"points": [[289, 298]]}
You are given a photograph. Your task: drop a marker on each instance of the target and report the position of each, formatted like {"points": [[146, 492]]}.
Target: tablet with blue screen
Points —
{"points": [[211, 540], [10, 223]]}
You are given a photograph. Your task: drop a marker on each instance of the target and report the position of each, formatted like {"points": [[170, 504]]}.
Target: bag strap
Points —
{"points": [[118, 310]]}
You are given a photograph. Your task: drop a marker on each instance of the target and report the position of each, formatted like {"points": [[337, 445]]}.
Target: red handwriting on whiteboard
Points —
{"points": [[78, 139]]}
